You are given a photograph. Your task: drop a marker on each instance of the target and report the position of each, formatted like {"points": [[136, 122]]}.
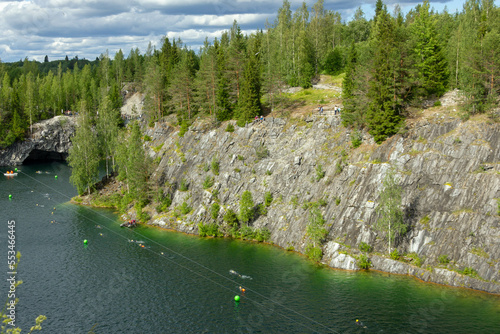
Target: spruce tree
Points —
{"points": [[249, 100], [350, 115], [430, 61], [383, 115]]}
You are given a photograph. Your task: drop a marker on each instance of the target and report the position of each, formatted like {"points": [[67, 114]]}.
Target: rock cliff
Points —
{"points": [[50, 141], [449, 171]]}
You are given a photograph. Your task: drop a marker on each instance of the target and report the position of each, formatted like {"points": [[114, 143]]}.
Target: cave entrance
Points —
{"points": [[37, 156]]}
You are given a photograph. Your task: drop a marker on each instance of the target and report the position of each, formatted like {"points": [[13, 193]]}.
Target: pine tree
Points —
{"points": [[83, 155], [154, 86], [181, 87]]}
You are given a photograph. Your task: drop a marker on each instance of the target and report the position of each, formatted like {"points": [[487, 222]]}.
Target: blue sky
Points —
{"points": [[87, 28]]}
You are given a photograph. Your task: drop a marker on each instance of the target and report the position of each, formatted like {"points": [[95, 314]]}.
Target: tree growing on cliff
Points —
{"points": [[389, 209], [246, 207], [316, 232], [84, 154]]}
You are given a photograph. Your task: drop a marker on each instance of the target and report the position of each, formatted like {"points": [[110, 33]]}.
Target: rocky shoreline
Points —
{"points": [[449, 171]]}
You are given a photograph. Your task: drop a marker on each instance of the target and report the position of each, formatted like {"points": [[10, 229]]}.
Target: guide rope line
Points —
{"points": [[184, 257]]}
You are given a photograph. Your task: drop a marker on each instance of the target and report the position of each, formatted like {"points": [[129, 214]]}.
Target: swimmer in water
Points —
{"points": [[360, 324]]}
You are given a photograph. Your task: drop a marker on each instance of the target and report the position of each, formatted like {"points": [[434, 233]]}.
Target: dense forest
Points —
{"points": [[391, 62]]}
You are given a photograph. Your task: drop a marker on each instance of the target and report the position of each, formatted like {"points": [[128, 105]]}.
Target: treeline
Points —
{"points": [[391, 62]]}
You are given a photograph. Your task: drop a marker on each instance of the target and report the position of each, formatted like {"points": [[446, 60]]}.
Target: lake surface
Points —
{"points": [[181, 284]]}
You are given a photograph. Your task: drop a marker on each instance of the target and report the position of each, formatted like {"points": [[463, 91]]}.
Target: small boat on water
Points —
{"points": [[130, 223], [11, 173]]}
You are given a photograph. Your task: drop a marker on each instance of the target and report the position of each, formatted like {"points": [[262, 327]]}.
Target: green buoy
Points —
{"points": [[85, 241], [236, 298], [15, 169], [55, 176], [10, 196]]}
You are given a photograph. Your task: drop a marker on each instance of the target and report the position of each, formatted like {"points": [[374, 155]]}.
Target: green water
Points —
{"points": [[181, 284]]}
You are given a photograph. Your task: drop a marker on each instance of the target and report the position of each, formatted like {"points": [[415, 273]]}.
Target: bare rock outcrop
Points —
{"points": [[51, 140]]}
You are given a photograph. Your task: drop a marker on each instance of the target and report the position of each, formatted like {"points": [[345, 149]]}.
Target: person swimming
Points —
{"points": [[360, 324]]}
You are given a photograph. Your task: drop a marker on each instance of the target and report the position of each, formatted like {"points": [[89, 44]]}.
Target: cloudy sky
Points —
{"points": [[87, 28]]}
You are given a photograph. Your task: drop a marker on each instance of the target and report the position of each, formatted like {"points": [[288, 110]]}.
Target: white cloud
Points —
{"points": [[87, 28]]}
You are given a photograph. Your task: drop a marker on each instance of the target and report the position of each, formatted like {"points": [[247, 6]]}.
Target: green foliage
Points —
{"points": [[208, 183], [184, 186], [262, 209], [356, 139], [83, 155], [294, 201], [443, 259], [320, 173], [389, 209], [230, 127], [470, 272], [183, 209], [241, 158], [230, 218], [246, 233], [6, 323], [125, 202], [262, 234], [147, 138], [437, 103], [338, 168], [268, 198], [395, 254], [415, 259], [431, 64], [215, 194], [337, 201], [314, 253], [261, 152], [322, 202], [214, 210], [206, 167], [184, 128], [246, 207], [363, 262], [268, 172], [315, 230], [142, 216], [333, 62], [164, 203], [498, 206], [209, 230], [215, 165], [364, 247]]}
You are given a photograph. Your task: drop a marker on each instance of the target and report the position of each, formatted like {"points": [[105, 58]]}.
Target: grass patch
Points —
{"points": [[313, 96], [479, 252]]}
